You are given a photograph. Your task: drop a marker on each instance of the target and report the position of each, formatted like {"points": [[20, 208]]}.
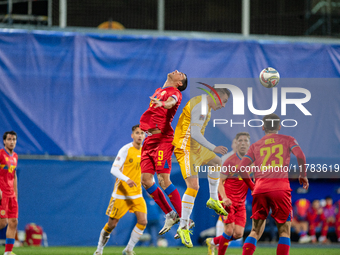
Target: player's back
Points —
{"points": [[271, 157], [130, 158], [191, 115]]}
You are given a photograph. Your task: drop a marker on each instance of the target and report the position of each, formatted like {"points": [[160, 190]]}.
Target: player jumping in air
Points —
{"points": [[193, 150], [127, 193], [271, 154], [9, 189], [158, 148], [233, 191]]}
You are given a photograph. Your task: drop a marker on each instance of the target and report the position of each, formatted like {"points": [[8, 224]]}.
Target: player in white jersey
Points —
{"points": [[127, 193]]}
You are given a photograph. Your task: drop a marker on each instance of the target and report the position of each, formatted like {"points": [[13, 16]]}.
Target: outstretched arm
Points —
{"points": [[168, 104]]}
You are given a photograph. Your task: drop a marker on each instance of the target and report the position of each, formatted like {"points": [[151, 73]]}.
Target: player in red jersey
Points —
{"points": [[9, 189], [271, 155], [158, 148], [233, 191]]}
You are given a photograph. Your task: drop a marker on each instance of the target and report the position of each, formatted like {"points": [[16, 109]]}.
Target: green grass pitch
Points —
{"points": [[166, 251]]}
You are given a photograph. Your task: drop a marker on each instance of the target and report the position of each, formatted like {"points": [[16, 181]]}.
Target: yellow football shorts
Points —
{"points": [[118, 207], [188, 162]]}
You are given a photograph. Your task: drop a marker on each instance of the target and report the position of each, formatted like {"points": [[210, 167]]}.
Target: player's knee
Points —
{"points": [[143, 222], [146, 182], [237, 235], [3, 223], [13, 223], [112, 223]]}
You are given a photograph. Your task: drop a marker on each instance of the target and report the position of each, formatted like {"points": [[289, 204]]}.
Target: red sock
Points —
{"points": [[217, 240], [312, 230], [283, 246], [249, 246], [9, 244], [157, 195], [324, 229], [175, 198], [223, 245]]}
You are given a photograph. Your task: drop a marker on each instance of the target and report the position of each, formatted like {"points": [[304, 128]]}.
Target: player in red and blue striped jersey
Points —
{"points": [[271, 155]]}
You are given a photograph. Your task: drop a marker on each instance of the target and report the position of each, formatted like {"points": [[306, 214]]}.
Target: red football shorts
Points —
{"points": [[236, 214], [156, 154], [279, 201], [9, 208]]}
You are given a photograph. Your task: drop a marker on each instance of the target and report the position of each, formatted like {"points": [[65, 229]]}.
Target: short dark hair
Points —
{"points": [[184, 83], [242, 133], [134, 127], [4, 137], [222, 91], [269, 124], [328, 197]]}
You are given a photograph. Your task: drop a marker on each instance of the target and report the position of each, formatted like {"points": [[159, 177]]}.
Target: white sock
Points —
{"points": [[134, 238], [171, 214], [187, 206], [103, 239], [213, 179], [219, 227]]}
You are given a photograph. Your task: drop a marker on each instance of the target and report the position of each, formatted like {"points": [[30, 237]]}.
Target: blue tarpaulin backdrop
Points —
{"points": [[79, 94]]}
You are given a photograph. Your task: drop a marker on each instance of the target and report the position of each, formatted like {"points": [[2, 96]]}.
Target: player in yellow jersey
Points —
{"points": [[193, 150], [127, 193]]}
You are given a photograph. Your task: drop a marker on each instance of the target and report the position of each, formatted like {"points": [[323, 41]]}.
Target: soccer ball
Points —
{"points": [[269, 77], [161, 242]]}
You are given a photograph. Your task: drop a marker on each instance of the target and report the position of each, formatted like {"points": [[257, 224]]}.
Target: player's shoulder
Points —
{"points": [[126, 147], [195, 101], [230, 159]]}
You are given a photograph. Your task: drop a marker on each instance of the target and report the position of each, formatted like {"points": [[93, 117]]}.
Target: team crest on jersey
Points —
{"points": [[6, 158], [3, 212], [202, 117], [118, 158], [163, 93], [130, 160]]}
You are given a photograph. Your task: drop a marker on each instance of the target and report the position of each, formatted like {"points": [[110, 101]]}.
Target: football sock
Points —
{"points": [[157, 195], [223, 245], [175, 198], [104, 237], [216, 240], [9, 244], [188, 201], [136, 233], [324, 229], [249, 246], [283, 246], [213, 179]]}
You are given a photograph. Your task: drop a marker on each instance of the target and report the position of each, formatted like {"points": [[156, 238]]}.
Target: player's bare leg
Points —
{"points": [[156, 193], [10, 233], [136, 233], [213, 179], [284, 238], [105, 235], [256, 232]]}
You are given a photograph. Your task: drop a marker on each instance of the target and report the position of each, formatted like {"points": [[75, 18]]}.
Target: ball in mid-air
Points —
{"points": [[269, 77]]}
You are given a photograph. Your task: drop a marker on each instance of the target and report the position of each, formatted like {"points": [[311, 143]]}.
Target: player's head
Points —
{"points": [[10, 140], [329, 200], [179, 79], [137, 135], [223, 94], [271, 123], [242, 143], [316, 204]]}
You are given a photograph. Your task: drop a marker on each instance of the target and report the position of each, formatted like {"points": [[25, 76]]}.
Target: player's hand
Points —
{"points": [[220, 150], [227, 202], [131, 183], [304, 181], [157, 103]]}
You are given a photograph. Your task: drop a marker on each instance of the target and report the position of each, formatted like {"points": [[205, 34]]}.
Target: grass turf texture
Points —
{"points": [[166, 251]]}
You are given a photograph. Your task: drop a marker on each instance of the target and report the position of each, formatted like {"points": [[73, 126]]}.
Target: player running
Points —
{"points": [[157, 148], [127, 193], [272, 189], [192, 150], [9, 189], [233, 191]]}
